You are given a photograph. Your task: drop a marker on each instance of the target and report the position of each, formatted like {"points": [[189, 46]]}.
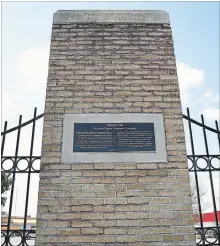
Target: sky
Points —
{"points": [[26, 32]]}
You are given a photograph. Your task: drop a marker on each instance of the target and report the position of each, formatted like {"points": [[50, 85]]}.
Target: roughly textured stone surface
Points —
{"points": [[110, 16], [113, 68]]}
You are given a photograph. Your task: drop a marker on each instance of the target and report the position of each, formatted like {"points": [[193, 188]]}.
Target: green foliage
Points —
{"points": [[5, 186]]}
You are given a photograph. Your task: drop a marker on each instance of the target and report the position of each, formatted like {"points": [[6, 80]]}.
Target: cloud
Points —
{"points": [[8, 104], [33, 64], [210, 106], [210, 98], [211, 113], [189, 78], [207, 95]]}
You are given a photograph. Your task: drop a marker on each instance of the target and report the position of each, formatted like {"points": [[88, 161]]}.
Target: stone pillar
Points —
{"points": [[113, 62]]}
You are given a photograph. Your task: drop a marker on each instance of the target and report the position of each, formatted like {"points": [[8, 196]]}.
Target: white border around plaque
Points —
{"points": [[68, 156]]}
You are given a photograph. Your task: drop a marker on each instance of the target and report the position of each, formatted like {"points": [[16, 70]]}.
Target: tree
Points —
{"points": [[5, 186], [202, 195]]}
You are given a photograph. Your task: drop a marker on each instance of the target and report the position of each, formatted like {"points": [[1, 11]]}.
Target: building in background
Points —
{"points": [[17, 222], [208, 219]]}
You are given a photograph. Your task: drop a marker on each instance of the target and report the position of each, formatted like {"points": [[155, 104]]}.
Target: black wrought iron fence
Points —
{"points": [[206, 235], [10, 164]]}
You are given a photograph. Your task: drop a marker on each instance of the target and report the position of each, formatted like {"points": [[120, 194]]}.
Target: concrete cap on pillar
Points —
{"points": [[111, 16]]}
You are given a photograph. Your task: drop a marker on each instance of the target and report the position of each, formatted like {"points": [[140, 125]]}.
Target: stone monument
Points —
{"points": [[114, 167]]}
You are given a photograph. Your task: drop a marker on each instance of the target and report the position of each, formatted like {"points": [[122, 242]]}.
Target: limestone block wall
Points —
{"points": [[113, 67]]}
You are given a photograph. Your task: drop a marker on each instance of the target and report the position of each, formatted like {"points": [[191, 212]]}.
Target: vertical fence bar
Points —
{"points": [[29, 178], [3, 138], [218, 135], [2, 152], [196, 176], [210, 177], [13, 181]]}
